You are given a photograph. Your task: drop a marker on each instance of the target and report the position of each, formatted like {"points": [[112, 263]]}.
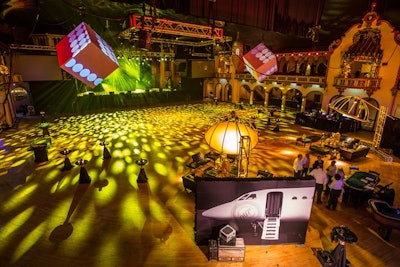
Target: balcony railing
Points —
{"points": [[223, 75], [362, 83], [287, 79]]}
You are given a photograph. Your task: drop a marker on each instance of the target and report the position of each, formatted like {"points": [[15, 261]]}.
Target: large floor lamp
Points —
{"points": [[233, 136]]}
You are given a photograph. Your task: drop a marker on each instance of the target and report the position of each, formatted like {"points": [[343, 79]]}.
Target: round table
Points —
{"points": [[67, 163], [106, 153], [84, 177], [142, 177]]}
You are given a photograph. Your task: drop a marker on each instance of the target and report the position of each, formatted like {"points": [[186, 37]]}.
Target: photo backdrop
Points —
{"points": [[263, 211]]}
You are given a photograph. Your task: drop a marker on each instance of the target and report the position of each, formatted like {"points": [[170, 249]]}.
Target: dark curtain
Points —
{"points": [[179, 6], [390, 135], [287, 16]]}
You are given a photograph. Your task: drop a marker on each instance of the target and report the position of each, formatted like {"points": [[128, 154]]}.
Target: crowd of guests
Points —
{"points": [[329, 181]]}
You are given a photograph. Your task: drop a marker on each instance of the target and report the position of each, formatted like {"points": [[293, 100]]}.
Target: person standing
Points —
{"points": [[321, 179], [298, 166], [330, 171], [335, 190], [318, 161], [341, 172], [306, 165]]}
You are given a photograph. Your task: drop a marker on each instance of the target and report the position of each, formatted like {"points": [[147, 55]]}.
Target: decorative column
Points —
{"points": [[162, 80], [303, 104], [251, 97], [235, 90], [283, 105], [172, 75], [266, 97]]}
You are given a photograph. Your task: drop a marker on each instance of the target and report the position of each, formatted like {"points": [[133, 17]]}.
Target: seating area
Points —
{"points": [[349, 148], [212, 155], [212, 172], [197, 161], [319, 150], [353, 154], [211, 165], [264, 174]]}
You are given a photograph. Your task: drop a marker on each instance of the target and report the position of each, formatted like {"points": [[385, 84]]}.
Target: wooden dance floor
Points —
{"points": [[48, 218]]}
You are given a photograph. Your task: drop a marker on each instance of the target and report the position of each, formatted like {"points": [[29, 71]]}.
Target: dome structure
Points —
{"points": [[227, 137]]}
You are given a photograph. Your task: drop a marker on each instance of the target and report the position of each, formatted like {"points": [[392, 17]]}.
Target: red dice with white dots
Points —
{"points": [[260, 62], [86, 56]]}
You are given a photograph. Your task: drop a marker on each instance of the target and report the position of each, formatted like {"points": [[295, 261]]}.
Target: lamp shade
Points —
{"points": [[225, 136]]}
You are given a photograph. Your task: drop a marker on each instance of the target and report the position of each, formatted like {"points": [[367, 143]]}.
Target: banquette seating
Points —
{"points": [[319, 149], [198, 160], [352, 154]]}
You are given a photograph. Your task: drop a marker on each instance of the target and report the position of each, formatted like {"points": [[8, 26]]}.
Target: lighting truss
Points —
{"points": [[175, 41], [142, 53], [175, 27], [207, 34]]}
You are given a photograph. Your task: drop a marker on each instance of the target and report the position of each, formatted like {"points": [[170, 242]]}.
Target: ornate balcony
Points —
{"points": [[223, 75], [368, 84]]}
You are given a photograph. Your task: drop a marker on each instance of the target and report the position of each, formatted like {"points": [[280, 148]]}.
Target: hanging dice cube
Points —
{"points": [[260, 62], [86, 56]]}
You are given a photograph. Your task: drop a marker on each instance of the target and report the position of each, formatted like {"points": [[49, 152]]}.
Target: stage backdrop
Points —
{"points": [[263, 211]]}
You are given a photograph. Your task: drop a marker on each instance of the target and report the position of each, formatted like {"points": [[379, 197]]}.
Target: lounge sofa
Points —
{"points": [[352, 154], [319, 150]]}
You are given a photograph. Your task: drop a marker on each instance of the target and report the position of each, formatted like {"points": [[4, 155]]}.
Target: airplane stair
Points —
{"points": [[271, 228]]}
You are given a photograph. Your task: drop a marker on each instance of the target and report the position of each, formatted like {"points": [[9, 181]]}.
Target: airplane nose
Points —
{"points": [[218, 212]]}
